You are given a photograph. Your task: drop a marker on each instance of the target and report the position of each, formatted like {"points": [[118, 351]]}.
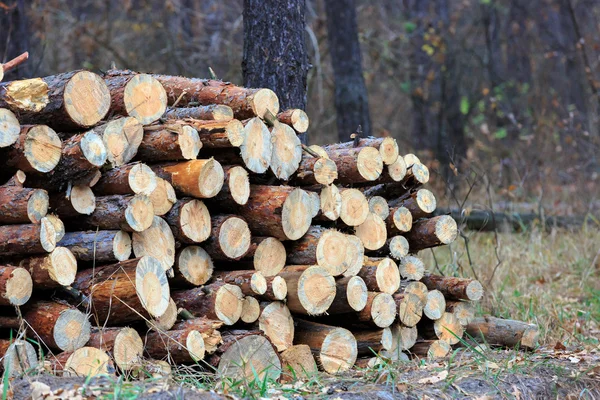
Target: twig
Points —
{"points": [[212, 74], [15, 62], [309, 151], [179, 99]]}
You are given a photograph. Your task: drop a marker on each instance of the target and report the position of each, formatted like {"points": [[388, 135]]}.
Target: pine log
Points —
{"points": [[250, 310], [380, 275], [193, 267], [432, 349], [197, 178], [355, 207], [399, 221], [16, 286], [371, 342], [37, 149], [335, 348], [410, 308], [420, 203], [246, 355], [219, 300], [10, 128], [417, 288], [162, 197], [229, 238], [316, 203], [122, 138], [295, 118], [52, 270], [128, 213], [379, 206], [464, 311], [277, 324], [412, 268], [99, 246], [236, 187], [136, 95], [28, 239], [189, 220], [331, 203], [286, 153], [379, 311], [68, 101], [356, 253], [257, 147], [19, 205], [454, 288], [265, 254], [251, 283], [245, 103], [372, 232], [276, 289], [128, 291], [79, 200], [178, 346], [18, 357], [169, 143], [315, 171], [57, 325], [209, 330], [218, 134], [124, 345], [387, 146], [357, 165], [211, 112], [411, 159], [403, 337], [166, 321], [311, 289], [134, 178], [435, 305], [157, 241], [84, 362], [350, 295], [396, 247], [447, 328], [504, 332], [298, 363]]}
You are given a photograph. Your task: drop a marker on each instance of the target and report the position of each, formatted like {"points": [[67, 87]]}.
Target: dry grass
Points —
{"points": [[550, 279]]}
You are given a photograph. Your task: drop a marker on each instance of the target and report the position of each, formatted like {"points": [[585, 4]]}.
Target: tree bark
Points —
{"points": [[19, 205], [454, 288], [197, 178], [219, 300], [124, 345], [53, 270], [311, 290], [169, 143], [504, 332], [37, 149], [99, 246], [134, 178], [28, 239]]}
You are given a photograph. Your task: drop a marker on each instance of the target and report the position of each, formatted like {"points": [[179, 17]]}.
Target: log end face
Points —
{"points": [[388, 150], [277, 323], [234, 238], [372, 232], [338, 351], [331, 202], [37, 205], [10, 128], [222, 113], [83, 199], [194, 342], [421, 173], [402, 219], [194, 221], [128, 349], [265, 100], [258, 283], [331, 252], [316, 290], [235, 132], [48, 234], [42, 148], [412, 268], [448, 329], [145, 99], [19, 287], [228, 304], [88, 362], [139, 213], [250, 310], [141, 179], [151, 286], [438, 349], [426, 201], [63, 266], [166, 321], [357, 293], [248, 356], [29, 95], [474, 290], [369, 163], [296, 215], [93, 149], [354, 255], [387, 276], [287, 151], [195, 265], [379, 206], [355, 207], [279, 288], [325, 171], [397, 170], [19, 358], [257, 146], [157, 241], [399, 247], [189, 142], [210, 179], [239, 184], [122, 138], [410, 159], [300, 120], [435, 306], [163, 197], [410, 309], [270, 257], [72, 330], [122, 246], [383, 310], [87, 99], [446, 229]]}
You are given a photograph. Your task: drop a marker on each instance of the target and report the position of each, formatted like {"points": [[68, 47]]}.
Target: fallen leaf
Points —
{"points": [[435, 379], [559, 346]]}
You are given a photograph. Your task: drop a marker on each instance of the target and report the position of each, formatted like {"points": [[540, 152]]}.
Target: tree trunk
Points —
{"points": [[351, 100], [432, 232], [128, 213], [380, 275], [178, 346], [212, 112], [357, 164], [351, 295], [284, 68]]}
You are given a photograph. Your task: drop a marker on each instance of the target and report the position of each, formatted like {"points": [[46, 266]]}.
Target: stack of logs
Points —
{"points": [[150, 218]]}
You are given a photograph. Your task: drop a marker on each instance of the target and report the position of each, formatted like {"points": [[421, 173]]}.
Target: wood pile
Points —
{"points": [[150, 217]]}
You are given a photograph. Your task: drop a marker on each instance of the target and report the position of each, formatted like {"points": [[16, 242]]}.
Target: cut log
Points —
{"points": [[189, 220], [417, 288], [316, 203], [504, 332], [257, 146], [399, 221], [79, 200], [268, 255], [245, 103], [135, 178], [16, 286], [197, 178], [57, 325], [128, 213], [157, 241], [355, 255], [209, 330], [286, 153], [355, 207], [371, 342], [435, 306], [99, 246], [463, 311], [9, 127], [410, 308], [50, 271], [411, 159], [331, 203], [211, 112], [396, 247], [246, 355], [19, 205], [420, 203], [276, 289], [166, 321], [379, 206], [412, 268], [432, 349], [85, 362], [28, 239], [357, 165], [277, 324], [218, 300], [178, 346], [193, 266], [403, 337], [298, 363], [57, 224], [350, 295], [327, 248], [37, 149], [251, 283], [396, 171], [218, 134], [387, 146], [417, 174], [280, 211], [128, 291], [229, 238], [446, 328], [250, 310], [169, 143], [380, 275], [124, 345], [162, 197], [18, 357], [236, 188], [372, 232], [311, 289], [454, 288], [295, 118], [380, 310], [335, 348], [68, 101], [122, 138], [315, 171], [136, 95]]}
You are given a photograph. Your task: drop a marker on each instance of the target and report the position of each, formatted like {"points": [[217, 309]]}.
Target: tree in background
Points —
{"points": [[275, 51], [351, 99]]}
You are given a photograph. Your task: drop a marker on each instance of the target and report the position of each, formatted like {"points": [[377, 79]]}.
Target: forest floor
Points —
{"points": [[550, 279]]}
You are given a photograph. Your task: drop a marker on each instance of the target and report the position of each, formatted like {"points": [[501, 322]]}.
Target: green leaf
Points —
{"points": [[464, 105], [485, 1], [501, 133], [405, 86], [410, 26]]}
